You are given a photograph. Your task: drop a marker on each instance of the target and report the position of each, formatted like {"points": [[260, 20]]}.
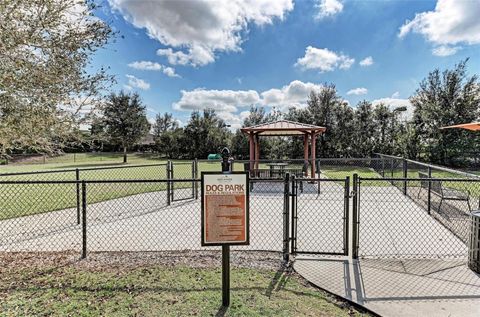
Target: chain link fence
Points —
{"points": [[320, 216], [123, 215], [423, 218], [400, 208], [73, 158]]}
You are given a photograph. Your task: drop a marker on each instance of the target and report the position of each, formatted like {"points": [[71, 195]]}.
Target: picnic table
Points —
{"points": [[277, 169]]}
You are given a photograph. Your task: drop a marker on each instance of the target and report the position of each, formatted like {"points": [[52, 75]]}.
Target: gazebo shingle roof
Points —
{"points": [[283, 127]]}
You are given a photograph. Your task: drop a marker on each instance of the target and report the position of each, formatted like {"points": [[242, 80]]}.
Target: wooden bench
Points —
{"points": [[444, 193]]}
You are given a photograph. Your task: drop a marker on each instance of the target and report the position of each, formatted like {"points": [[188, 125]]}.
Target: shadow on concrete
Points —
{"points": [[390, 286]]}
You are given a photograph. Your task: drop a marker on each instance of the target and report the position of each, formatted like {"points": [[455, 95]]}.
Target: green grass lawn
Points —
{"points": [[18, 200], [344, 171], [159, 291]]}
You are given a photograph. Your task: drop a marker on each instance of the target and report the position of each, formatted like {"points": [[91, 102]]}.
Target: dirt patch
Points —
{"points": [[127, 260]]}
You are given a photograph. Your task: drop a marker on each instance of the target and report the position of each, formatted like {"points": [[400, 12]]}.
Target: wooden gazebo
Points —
{"points": [[283, 128]]}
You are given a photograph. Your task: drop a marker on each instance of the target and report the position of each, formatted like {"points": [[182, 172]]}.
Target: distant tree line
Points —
{"points": [[443, 98]]}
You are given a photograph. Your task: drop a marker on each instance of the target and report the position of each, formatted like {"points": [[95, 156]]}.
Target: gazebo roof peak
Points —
{"points": [[283, 127]]}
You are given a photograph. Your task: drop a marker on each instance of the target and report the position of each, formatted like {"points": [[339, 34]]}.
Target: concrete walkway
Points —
{"points": [[412, 265], [398, 287]]}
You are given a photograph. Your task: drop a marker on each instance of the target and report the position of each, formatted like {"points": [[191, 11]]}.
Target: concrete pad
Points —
{"points": [[395, 287], [393, 225]]}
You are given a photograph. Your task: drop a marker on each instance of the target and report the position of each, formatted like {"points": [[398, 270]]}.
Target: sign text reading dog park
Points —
{"points": [[225, 218]]}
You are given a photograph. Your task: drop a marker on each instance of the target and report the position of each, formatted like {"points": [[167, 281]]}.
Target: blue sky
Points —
{"points": [[232, 54]]}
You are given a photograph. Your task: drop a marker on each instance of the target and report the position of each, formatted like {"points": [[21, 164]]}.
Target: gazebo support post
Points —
{"points": [[305, 151], [314, 136], [251, 142]]}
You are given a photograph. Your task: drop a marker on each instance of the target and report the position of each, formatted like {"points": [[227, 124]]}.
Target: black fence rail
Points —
{"points": [[81, 157], [123, 215], [424, 217], [144, 171]]}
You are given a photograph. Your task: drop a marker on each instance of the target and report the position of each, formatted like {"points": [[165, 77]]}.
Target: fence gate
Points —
{"points": [[182, 190], [319, 216]]}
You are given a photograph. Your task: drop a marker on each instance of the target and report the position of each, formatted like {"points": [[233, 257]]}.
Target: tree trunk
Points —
{"points": [[124, 154]]}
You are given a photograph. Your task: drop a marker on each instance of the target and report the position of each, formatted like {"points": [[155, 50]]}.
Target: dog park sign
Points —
{"points": [[225, 209], [225, 215]]}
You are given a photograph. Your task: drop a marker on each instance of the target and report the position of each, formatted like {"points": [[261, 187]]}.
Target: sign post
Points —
{"points": [[225, 214]]}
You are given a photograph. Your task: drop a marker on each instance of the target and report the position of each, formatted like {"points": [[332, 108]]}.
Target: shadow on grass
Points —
{"points": [[279, 280]]}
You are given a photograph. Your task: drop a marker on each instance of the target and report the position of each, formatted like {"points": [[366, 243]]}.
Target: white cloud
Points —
{"points": [[197, 57], [146, 65], [452, 22], [134, 82], [394, 103], [228, 102], [368, 61], [170, 72], [199, 29], [395, 95], [328, 8], [444, 50], [295, 94], [324, 60], [358, 91], [219, 100]]}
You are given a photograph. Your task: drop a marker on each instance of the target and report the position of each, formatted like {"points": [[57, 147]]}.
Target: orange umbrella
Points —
{"points": [[474, 126]]}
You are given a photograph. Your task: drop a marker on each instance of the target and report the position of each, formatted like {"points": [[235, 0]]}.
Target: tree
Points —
{"points": [[45, 49], [446, 98], [344, 130], [167, 135], [206, 133], [363, 140], [124, 120], [164, 123]]}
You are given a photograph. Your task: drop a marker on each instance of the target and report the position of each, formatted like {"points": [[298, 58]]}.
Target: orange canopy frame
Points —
{"points": [[283, 128], [473, 126]]}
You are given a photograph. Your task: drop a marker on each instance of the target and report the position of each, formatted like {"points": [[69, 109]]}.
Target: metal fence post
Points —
{"points": [[319, 176], [168, 183], [84, 220], [391, 167], [293, 223], [383, 167], [286, 209], [193, 177], [77, 178], [405, 175], [196, 177], [355, 219], [346, 215], [429, 197]]}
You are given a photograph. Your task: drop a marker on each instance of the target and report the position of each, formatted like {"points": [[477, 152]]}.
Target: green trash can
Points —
{"points": [[214, 156]]}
